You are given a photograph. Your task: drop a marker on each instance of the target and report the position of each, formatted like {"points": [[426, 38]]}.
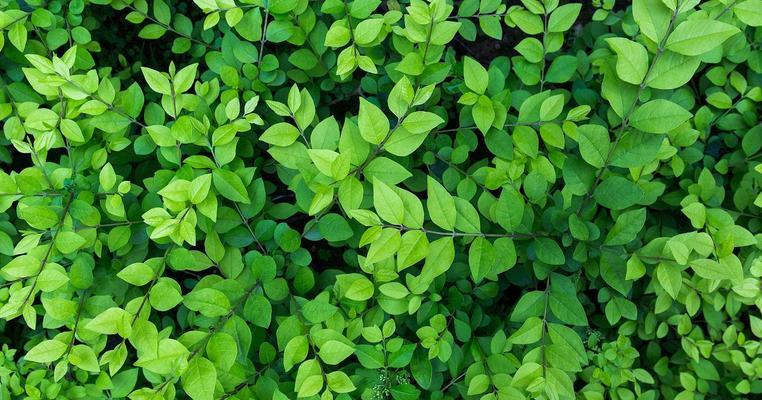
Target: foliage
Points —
{"points": [[235, 199]]}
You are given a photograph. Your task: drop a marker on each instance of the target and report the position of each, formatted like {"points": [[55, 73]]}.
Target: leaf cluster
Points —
{"points": [[402, 199]]}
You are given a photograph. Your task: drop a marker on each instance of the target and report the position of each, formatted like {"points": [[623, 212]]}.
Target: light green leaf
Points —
{"points": [[387, 203], [475, 76], [617, 193], [156, 80], [372, 122], [230, 185], [199, 379], [563, 17], [529, 332], [483, 114], [659, 116], [209, 302], [84, 357], [334, 352], [594, 144], [440, 204], [281, 134], [46, 351], [698, 36], [631, 61], [481, 258]]}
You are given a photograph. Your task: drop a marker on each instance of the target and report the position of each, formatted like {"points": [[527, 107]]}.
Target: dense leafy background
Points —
{"points": [[487, 199]]}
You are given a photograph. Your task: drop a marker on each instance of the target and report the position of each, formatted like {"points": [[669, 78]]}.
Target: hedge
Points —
{"points": [[401, 199]]}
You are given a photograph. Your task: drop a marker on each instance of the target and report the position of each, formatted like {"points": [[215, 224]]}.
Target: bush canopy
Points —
{"points": [[400, 199]]}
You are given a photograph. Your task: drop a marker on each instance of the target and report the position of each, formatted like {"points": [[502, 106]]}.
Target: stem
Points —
{"points": [[49, 251], [465, 234], [351, 30], [76, 324], [544, 47], [506, 125], [108, 105], [248, 227], [629, 112], [453, 381], [238, 210], [544, 325], [169, 28], [264, 36], [726, 9], [477, 16], [216, 326], [461, 171]]}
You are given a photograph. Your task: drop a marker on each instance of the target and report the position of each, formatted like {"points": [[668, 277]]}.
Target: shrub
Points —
{"points": [[439, 199]]}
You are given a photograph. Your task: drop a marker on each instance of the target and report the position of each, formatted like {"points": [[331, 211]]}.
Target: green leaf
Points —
{"points": [[373, 124], [672, 71], [384, 246], [509, 210], [631, 61], [222, 350], [68, 242], [696, 36], [594, 144], [209, 302], [475, 76], [481, 258], [295, 352], [17, 34], [360, 290], [617, 193], [184, 78], [281, 134], [529, 332], [387, 203], [157, 81], [531, 49], [367, 31], [567, 308], [421, 122], [670, 278], [526, 140], [113, 320], [83, 357], [548, 251], [199, 188], [137, 274], [653, 18], [483, 114], [40, 217], [21, 267], [199, 379], [627, 227], [749, 12], [164, 295], [711, 269], [440, 258], [478, 385], [386, 170], [339, 382], [230, 185], [563, 17], [71, 130], [334, 352], [659, 116], [46, 351], [334, 228], [551, 107], [440, 204], [258, 310]]}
